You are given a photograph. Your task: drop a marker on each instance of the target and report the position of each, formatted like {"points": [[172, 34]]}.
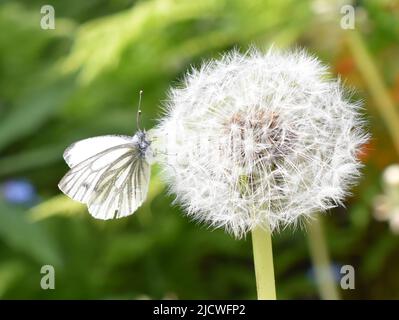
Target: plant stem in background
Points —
{"points": [[374, 81], [321, 261], [263, 261]]}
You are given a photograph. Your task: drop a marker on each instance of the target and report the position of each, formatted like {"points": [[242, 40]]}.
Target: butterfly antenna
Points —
{"points": [[138, 116]]}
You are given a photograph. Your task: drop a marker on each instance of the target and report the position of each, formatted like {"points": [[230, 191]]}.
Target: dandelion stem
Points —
{"points": [[321, 261], [375, 83], [263, 261]]}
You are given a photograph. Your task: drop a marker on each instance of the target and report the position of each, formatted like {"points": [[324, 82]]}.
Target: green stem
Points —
{"points": [[321, 261], [374, 81], [263, 261]]}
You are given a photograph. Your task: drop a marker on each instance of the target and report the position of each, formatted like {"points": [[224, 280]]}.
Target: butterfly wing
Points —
{"points": [[121, 191], [113, 182], [86, 148]]}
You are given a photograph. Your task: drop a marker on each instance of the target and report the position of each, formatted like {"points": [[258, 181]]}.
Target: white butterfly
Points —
{"points": [[110, 174]]}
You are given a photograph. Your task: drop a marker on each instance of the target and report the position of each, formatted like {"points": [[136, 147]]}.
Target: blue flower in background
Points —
{"points": [[334, 269], [18, 191]]}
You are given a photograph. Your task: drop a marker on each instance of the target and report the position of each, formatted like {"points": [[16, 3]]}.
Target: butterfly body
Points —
{"points": [[110, 174], [143, 145]]}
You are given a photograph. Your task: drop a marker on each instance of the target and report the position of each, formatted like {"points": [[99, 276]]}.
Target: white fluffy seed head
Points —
{"points": [[260, 140]]}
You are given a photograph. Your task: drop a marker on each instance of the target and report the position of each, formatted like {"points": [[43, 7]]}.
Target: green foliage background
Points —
{"points": [[82, 79]]}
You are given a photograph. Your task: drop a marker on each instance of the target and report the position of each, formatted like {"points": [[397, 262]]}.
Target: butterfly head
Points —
{"points": [[141, 138]]}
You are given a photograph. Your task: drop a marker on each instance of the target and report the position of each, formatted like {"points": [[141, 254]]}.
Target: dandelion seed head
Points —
{"points": [[260, 139]]}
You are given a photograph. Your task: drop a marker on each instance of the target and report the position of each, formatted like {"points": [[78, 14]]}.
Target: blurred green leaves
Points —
{"points": [[100, 45], [23, 235], [40, 106]]}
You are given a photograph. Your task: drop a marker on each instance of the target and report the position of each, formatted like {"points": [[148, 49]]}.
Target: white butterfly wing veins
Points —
{"points": [[86, 148], [110, 174]]}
